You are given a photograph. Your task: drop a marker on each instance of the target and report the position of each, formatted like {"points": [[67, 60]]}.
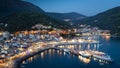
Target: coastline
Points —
{"points": [[19, 61]]}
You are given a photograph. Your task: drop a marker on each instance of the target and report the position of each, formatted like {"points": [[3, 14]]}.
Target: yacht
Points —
{"points": [[85, 53], [75, 52], [66, 50], [103, 57]]}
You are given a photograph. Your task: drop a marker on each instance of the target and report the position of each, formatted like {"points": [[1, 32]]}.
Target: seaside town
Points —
{"points": [[15, 45], [59, 34]]}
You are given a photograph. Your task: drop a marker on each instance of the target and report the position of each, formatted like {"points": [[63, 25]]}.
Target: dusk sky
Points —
{"points": [[86, 7]]}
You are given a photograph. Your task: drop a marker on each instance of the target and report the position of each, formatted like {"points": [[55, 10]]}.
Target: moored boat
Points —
{"points": [[66, 50], [75, 52], [85, 54], [103, 57]]}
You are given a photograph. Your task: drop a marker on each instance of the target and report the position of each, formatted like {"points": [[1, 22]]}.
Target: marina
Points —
{"points": [[50, 57], [90, 54]]}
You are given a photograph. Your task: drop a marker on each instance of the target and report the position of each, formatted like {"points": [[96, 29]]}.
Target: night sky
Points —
{"points": [[86, 7]]}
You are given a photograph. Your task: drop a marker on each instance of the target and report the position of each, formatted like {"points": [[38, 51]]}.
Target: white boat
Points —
{"points": [[85, 54], [100, 55], [95, 52], [75, 52], [66, 50], [103, 57]]}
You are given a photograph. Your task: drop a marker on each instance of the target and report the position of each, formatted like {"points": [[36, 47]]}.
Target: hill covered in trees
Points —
{"points": [[109, 20]]}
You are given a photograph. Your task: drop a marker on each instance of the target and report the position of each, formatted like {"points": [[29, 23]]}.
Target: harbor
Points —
{"points": [[88, 54], [62, 57], [22, 45]]}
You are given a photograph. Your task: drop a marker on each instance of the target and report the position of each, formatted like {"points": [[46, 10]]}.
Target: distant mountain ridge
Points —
{"points": [[21, 15], [109, 20], [69, 17]]}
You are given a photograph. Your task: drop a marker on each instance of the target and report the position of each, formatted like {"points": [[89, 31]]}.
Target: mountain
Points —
{"points": [[109, 20], [25, 21], [8, 7], [17, 15], [69, 17]]}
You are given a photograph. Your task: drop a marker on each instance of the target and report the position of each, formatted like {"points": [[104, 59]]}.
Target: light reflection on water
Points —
{"points": [[83, 59], [80, 58], [106, 37], [61, 53], [42, 54]]}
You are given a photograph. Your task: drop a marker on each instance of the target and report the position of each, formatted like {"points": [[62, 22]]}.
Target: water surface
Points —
{"points": [[58, 59]]}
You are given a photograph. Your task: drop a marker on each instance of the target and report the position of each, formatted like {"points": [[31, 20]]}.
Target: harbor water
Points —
{"points": [[59, 59]]}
